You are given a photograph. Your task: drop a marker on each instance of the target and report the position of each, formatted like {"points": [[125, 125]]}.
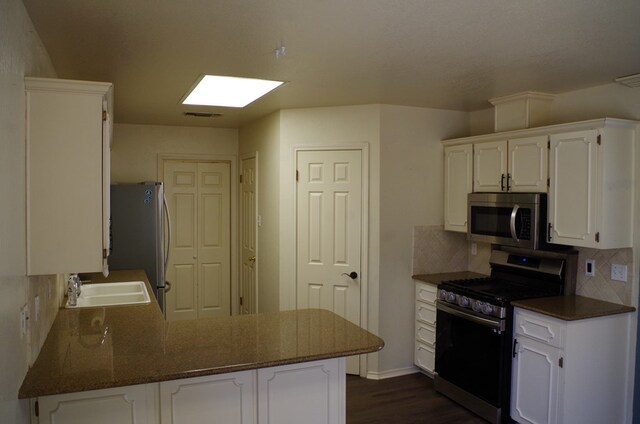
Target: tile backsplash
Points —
{"points": [[601, 286], [436, 250]]}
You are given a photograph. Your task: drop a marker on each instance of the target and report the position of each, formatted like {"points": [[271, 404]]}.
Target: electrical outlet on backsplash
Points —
{"points": [[601, 286]]}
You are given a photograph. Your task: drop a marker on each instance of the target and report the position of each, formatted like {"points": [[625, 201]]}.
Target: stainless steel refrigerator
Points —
{"points": [[139, 216]]}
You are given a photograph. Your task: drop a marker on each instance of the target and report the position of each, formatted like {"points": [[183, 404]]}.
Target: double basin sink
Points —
{"points": [[112, 294]]}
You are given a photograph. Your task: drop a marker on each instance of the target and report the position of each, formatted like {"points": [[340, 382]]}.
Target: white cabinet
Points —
{"points": [[310, 393], [425, 327], [528, 158], [490, 166], [516, 165], [122, 405], [569, 371], [67, 148], [591, 190], [458, 182], [216, 399]]}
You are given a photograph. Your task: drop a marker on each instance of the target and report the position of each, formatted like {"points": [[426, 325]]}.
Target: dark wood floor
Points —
{"points": [[402, 400]]}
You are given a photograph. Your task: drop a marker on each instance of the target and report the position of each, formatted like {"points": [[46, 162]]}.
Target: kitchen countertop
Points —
{"points": [[572, 308], [97, 348], [446, 276]]}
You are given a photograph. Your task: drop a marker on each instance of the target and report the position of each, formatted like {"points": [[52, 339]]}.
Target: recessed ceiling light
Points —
{"points": [[213, 90]]}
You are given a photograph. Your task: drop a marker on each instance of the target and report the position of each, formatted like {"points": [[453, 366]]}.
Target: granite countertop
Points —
{"points": [[572, 308], [446, 276], [97, 348]]}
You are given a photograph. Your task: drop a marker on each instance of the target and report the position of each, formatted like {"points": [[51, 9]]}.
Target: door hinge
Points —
{"points": [[241, 300], [561, 362], [240, 178], [548, 182], [105, 253], [37, 409], [297, 175], [104, 116], [599, 139], [548, 144], [598, 237]]}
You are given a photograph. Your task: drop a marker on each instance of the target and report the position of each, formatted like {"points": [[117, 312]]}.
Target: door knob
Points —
{"points": [[252, 258], [353, 275]]}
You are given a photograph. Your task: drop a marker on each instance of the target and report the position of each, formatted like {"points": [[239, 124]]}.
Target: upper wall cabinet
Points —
{"points": [[587, 168], [458, 168], [591, 190], [517, 165], [67, 149]]}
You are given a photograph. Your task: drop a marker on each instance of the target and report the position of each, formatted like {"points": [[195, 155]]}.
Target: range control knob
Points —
{"points": [[463, 301], [442, 295], [487, 309], [477, 305], [451, 297]]}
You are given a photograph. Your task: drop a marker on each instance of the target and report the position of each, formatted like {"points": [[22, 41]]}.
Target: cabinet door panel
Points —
{"points": [[310, 393], [122, 405], [535, 378], [490, 166], [528, 164], [224, 399], [458, 180], [572, 193]]}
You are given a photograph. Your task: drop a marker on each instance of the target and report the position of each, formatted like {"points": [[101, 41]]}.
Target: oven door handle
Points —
{"points": [[512, 223], [497, 324]]}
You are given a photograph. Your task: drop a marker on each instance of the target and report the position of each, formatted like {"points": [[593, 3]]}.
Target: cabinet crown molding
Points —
{"points": [[64, 85], [545, 130]]}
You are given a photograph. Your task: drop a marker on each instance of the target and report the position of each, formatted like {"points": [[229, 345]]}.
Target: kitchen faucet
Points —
{"points": [[74, 288]]}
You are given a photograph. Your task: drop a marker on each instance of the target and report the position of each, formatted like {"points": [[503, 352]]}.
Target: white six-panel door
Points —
{"points": [[198, 195], [329, 231]]}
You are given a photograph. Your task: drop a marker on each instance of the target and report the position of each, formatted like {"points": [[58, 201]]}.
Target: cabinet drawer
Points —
{"points": [[426, 313], [539, 328], [425, 357], [426, 293], [425, 333]]}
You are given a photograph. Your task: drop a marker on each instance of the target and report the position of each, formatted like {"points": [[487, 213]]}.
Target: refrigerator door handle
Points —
{"points": [[166, 257]]}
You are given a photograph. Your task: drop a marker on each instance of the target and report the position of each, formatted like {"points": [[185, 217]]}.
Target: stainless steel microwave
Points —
{"points": [[508, 219]]}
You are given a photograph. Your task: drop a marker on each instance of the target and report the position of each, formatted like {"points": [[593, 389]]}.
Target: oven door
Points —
{"points": [[472, 353]]}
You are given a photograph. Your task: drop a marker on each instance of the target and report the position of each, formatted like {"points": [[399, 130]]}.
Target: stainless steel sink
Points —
{"points": [[112, 294]]}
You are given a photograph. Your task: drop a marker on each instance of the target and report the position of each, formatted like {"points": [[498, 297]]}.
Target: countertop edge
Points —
{"points": [[563, 307]]}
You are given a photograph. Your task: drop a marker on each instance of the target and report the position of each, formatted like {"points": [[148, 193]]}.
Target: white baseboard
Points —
{"points": [[392, 373]]}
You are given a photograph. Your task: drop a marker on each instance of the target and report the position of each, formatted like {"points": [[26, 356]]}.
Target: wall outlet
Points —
{"points": [[24, 320], [36, 308], [618, 272], [474, 249], [590, 267]]}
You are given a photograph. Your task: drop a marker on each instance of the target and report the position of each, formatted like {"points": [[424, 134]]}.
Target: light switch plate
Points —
{"points": [[619, 272], [590, 267]]}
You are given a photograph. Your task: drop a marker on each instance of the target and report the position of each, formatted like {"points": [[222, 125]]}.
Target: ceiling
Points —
{"points": [[450, 54]]}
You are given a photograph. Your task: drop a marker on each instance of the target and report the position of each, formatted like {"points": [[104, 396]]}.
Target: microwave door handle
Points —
{"points": [[512, 224]]}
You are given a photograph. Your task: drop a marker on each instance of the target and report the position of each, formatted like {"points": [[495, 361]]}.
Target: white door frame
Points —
{"points": [[233, 161], [364, 247], [257, 228]]}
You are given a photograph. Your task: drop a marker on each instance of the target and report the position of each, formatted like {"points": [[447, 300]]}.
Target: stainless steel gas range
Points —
{"points": [[475, 325]]}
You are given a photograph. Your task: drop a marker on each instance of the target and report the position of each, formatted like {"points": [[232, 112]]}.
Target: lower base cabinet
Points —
{"points": [[308, 392], [570, 372]]}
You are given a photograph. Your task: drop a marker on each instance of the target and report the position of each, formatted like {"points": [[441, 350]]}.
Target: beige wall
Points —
{"points": [[411, 194], [21, 54], [262, 137], [134, 154]]}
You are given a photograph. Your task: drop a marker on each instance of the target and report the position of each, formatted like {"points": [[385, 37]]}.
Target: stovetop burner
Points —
{"points": [[496, 290]]}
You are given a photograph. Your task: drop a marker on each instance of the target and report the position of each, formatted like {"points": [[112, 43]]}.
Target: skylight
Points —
{"points": [[213, 90]]}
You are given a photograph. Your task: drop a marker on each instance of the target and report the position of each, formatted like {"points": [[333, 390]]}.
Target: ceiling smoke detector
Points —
{"points": [[203, 114], [632, 81]]}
